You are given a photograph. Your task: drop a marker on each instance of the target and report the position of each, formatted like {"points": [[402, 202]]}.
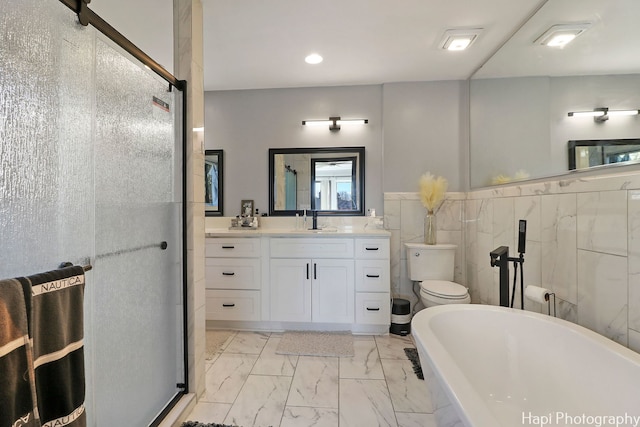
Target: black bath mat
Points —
{"points": [[197, 424], [412, 355]]}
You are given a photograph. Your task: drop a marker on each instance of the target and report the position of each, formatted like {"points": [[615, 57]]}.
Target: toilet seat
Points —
{"points": [[444, 289]]}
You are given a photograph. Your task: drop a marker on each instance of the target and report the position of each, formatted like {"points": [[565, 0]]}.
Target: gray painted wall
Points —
{"points": [[413, 128], [424, 130]]}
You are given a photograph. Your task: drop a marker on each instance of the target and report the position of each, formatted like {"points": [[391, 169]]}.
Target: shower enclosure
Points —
{"points": [[91, 172]]}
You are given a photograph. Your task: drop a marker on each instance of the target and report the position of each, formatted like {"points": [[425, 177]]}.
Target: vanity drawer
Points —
{"points": [[232, 273], [372, 248], [232, 305], [247, 247], [373, 308], [315, 247], [372, 275]]}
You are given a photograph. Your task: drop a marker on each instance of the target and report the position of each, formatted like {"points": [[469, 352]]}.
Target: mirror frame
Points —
{"points": [[219, 211], [338, 152]]}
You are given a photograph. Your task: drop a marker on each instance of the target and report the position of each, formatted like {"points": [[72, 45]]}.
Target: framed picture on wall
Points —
{"points": [[213, 183], [246, 208]]}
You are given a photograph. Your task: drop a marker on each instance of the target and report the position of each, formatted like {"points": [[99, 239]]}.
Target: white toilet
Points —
{"points": [[432, 266]]}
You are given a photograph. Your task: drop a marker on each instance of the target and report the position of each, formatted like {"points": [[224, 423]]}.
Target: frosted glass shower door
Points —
{"points": [[90, 171], [137, 305]]}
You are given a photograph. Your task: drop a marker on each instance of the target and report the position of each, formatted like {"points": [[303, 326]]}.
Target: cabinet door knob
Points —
{"points": [[373, 276], [228, 305], [371, 249], [224, 273], [228, 247], [373, 309]]}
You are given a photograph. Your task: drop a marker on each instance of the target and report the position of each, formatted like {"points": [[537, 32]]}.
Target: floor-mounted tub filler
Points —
{"points": [[489, 366]]}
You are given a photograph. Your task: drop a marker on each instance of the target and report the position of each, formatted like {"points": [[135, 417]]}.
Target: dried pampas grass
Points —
{"points": [[432, 191]]}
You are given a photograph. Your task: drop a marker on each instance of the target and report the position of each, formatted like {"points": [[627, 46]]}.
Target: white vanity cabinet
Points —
{"points": [[233, 278], [373, 302], [279, 280], [312, 280]]}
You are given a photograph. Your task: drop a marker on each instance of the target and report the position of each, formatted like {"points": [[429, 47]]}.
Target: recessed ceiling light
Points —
{"points": [[459, 39], [561, 35], [313, 59]]}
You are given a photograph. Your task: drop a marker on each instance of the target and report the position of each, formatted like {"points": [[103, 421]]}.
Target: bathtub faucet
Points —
{"points": [[500, 258]]}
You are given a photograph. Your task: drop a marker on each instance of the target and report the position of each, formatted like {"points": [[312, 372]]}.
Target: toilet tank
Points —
{"points": [[430, 262]]}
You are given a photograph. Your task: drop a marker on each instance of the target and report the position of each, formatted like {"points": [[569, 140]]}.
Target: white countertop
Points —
{"points": [[280, 232]]}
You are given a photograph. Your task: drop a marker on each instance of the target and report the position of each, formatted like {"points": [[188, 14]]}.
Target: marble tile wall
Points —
{"points": [[188, 66], [583, 244], [404, 218]]}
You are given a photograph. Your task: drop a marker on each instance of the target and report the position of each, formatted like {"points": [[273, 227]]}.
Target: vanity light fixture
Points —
{"points": [[561, 35], [459, 39], [602, 114], [335, 122]]}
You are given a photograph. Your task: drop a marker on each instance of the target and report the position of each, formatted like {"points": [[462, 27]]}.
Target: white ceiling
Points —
{"points": [[251, 44]]}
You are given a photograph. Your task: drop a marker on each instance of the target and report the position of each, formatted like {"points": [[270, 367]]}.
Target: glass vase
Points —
{"points": [[430, 229]]}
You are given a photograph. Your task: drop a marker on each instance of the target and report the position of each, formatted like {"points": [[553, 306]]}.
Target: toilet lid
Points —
{"points": [[445, 289]]}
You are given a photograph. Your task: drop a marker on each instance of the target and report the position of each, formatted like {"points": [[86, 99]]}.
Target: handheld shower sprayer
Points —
{"points": [[522, 239]]}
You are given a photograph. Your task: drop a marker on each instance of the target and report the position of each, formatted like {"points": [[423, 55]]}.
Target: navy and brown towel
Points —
{"points": [[57, 330], [17, 386], [42, 379]]}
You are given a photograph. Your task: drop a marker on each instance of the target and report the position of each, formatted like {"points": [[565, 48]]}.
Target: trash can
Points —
{"points": [[400, 317]]}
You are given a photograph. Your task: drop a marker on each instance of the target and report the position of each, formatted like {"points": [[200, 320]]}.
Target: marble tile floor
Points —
{"points": [[248, 384]]}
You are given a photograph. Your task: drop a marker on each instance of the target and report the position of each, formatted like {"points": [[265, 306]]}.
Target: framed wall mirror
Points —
{"points": [[329, 180], [213, 180]]}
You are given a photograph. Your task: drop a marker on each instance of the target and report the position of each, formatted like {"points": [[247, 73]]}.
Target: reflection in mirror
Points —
{"points": [[594, 153], [213, 167], [329, 180], [520, 98], [334, 182]]}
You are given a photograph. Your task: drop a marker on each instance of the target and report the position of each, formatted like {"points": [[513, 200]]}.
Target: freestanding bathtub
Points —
{"points": [[489, 366]]}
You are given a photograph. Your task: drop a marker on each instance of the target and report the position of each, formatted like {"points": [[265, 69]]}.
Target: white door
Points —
{"points": [[333, 290], [291, 290]]}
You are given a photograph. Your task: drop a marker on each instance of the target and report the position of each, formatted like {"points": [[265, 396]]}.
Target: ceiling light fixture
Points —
{"points": [[313, 59], [602, 114], [561, 35], [459, 39], [335, 122]]}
